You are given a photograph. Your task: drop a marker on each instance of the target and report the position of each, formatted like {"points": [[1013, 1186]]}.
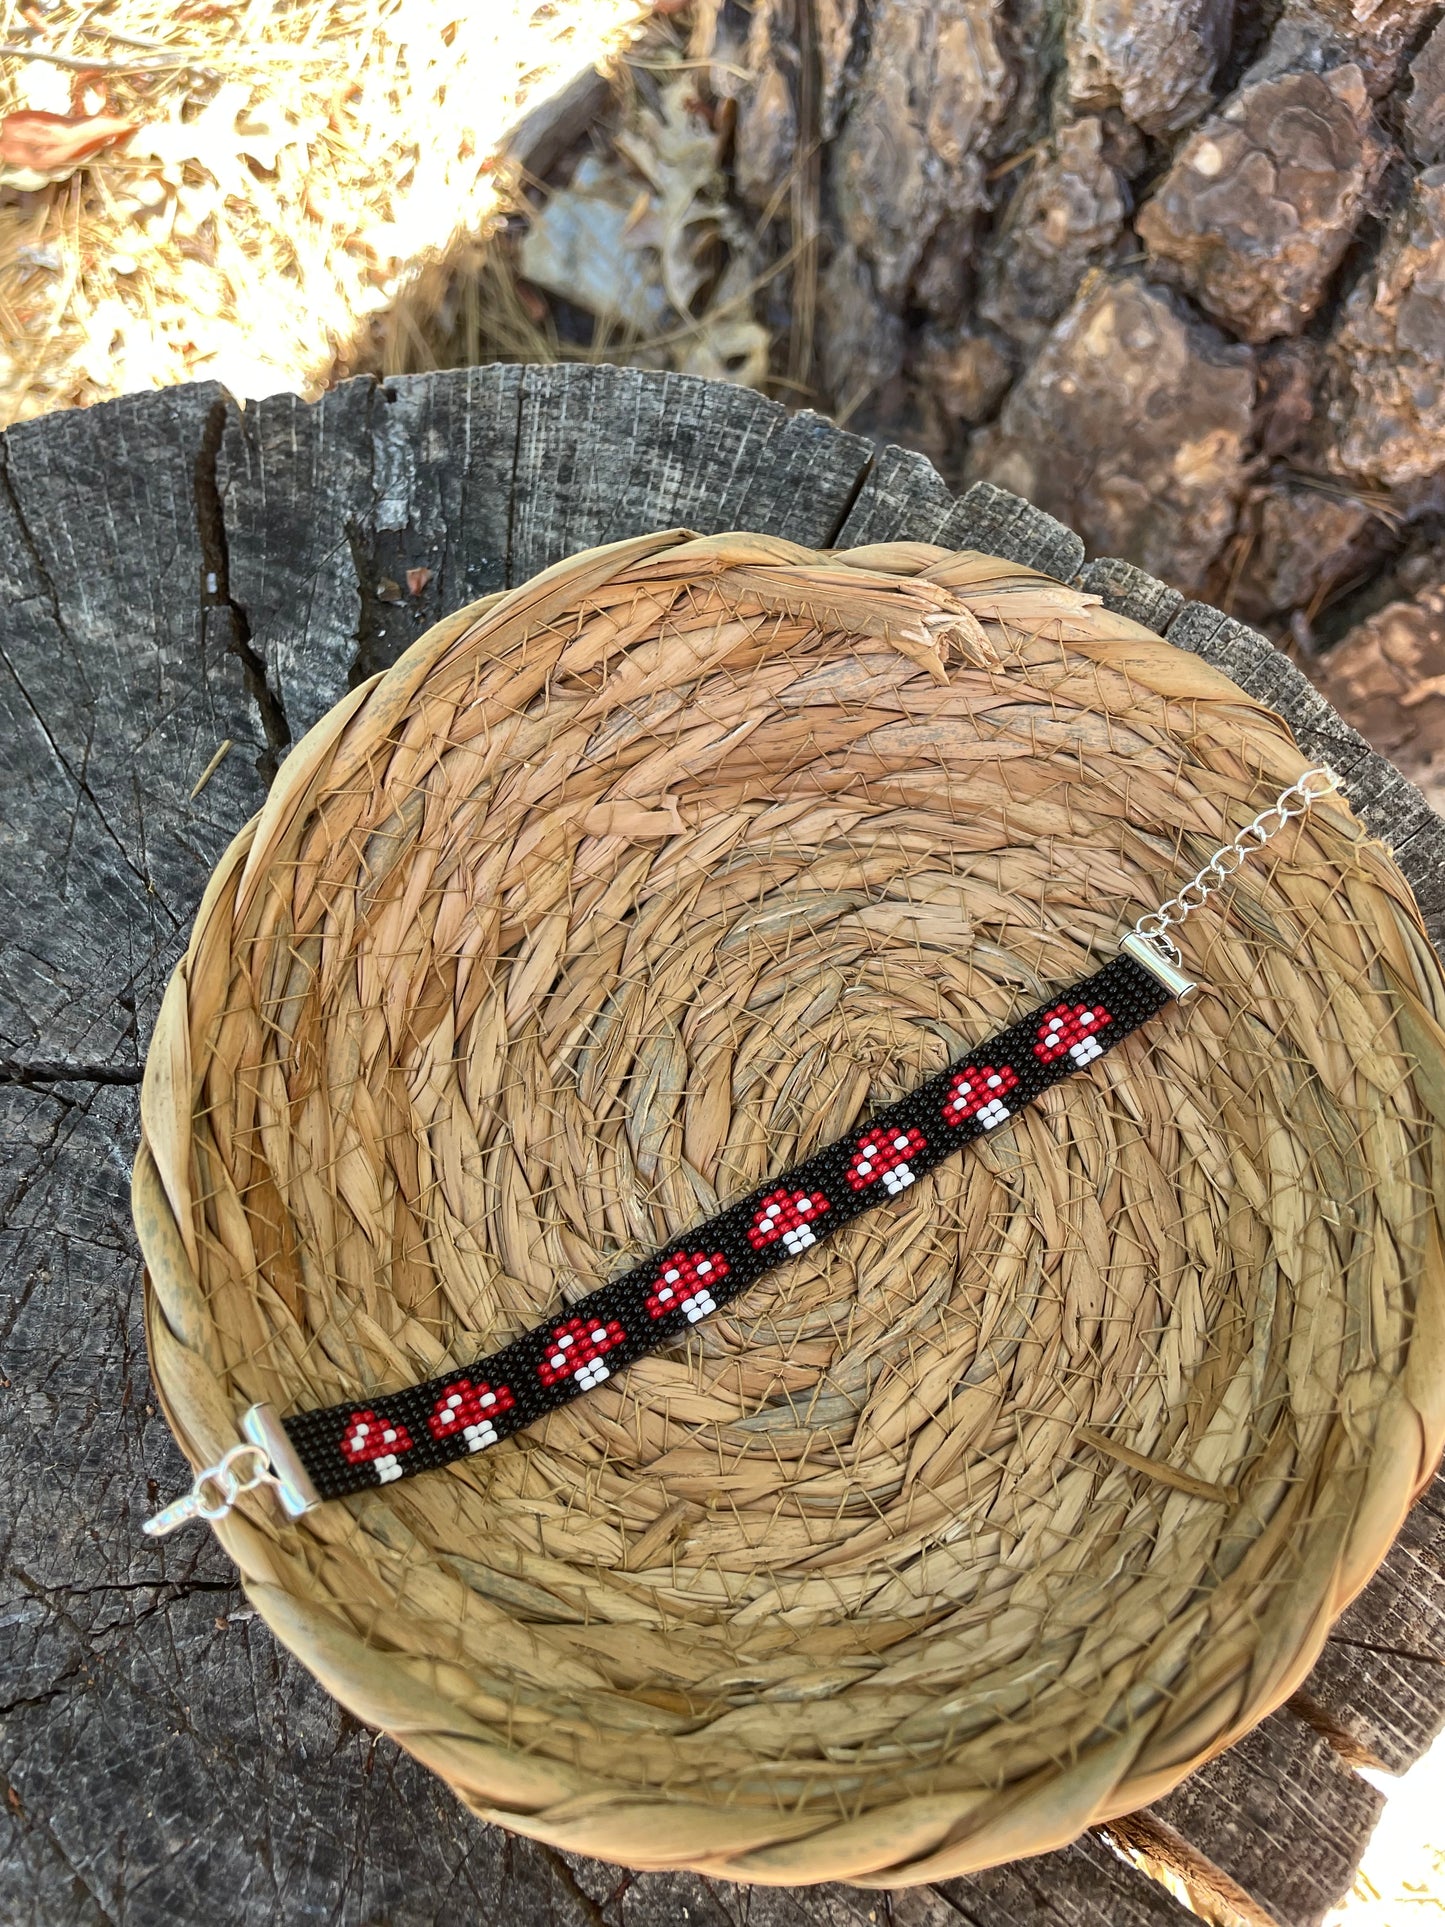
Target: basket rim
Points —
{"points": [[913, 1840]]}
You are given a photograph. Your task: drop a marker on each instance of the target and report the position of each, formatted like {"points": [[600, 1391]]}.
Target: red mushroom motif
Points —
{"points": [[979, 1091], [884, 1154], [377, 1442], [575, 1349], [1071, 1028], [786, 1214], [470, 1412], [684, 1283]]}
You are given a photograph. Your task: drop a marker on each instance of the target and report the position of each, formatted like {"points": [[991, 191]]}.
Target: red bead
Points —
{"points": [[684, 1283], [883, 1157], [575, 1349], [369, 1440], [1071, 1029], [979, 1092], [785, 1214], [470, 1412]]}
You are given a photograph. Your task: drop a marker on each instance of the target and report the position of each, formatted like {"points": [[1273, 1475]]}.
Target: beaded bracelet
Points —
{"points": [[318, 1455]]}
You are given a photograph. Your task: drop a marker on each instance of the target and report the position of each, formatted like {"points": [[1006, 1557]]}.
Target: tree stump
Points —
{"points": [[176, 576]]}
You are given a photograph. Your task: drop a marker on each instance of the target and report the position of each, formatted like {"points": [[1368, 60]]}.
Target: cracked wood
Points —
{"points": [[172, 574]]}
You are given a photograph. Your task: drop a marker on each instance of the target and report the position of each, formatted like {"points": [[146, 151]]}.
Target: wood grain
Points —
{"points": [[298, 497], [1086, 1885], [116, 687], [1379, 1685], [607, 452], [1281, 1815], [1130, 592], [172, 574]]}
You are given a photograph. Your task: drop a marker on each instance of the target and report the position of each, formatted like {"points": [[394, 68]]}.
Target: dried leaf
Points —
{"points": [[676, 153], [584, 246], [56, 144], [645, 256], [416, 580]]}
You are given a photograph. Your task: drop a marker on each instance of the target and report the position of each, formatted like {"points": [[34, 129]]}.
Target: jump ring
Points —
{"points": [[222, 1477]]}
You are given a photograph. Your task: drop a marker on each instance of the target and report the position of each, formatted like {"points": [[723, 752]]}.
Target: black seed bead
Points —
{"points": [[1123, 989]]}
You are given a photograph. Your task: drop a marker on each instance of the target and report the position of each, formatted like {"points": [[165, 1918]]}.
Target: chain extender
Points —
{"points": [[1149, 942], [268, 1453]]}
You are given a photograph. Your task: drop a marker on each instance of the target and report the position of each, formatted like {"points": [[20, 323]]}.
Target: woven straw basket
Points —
{"points": [[1007, 1507]]}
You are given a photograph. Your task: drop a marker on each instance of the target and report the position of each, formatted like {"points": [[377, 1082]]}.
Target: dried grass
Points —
{"points": [[643, 243], [297, 165], [642, 880]]}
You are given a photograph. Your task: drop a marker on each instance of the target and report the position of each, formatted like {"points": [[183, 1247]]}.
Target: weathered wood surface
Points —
{"points": [[1280, 1815], [174, 574], [1378, 1685]]}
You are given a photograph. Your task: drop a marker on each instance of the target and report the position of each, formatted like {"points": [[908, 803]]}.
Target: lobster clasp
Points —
{"points": [[267, 1457]]}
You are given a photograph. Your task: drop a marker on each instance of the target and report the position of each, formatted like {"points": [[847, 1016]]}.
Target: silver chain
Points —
{"points": [[1298, 800]]}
